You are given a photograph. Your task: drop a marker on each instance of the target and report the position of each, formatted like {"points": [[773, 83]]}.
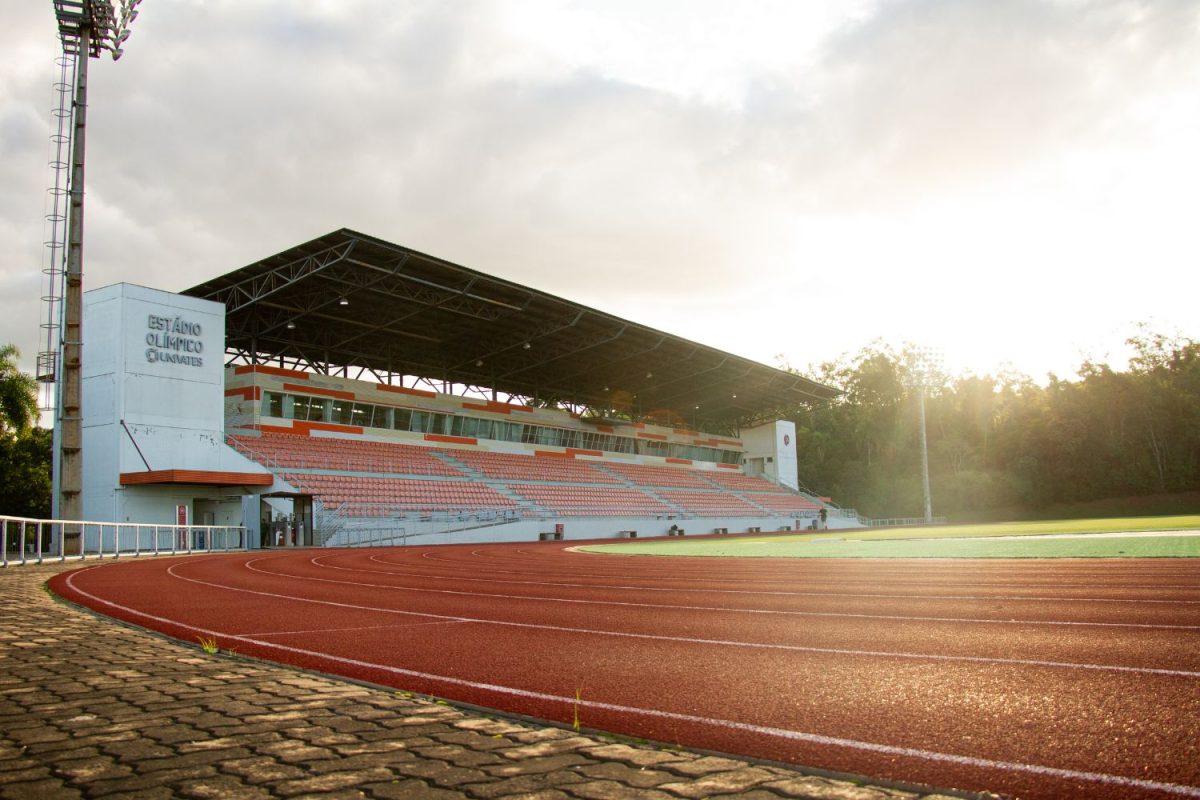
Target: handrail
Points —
{"points": [[25, 540]]}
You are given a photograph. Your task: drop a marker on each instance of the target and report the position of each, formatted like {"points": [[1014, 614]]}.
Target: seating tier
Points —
{"points": [[712, 503], [652, 476], [378, 496], [349, 455], [743, 483], [591, 501], [515, 467], [782, 502]]}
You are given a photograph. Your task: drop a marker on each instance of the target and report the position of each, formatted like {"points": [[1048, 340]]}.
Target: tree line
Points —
{"points": [[1003, 447], [24, 447]]}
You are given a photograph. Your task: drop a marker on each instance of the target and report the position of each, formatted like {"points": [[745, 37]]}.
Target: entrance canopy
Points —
{"points": [[347, 303]]}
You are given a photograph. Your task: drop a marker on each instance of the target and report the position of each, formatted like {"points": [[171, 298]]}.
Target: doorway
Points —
{"points": [[286, 521]]}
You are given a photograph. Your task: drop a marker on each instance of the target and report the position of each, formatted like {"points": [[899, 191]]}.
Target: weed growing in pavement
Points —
{"points": [[209, 645], [576, 722]]}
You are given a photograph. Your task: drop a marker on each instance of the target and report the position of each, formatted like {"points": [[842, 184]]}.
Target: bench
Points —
{"points": [[720, 530], [673, 531], [626, 534]]}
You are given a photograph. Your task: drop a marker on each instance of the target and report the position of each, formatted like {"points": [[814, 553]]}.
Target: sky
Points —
{"points": [[1014, 184]]}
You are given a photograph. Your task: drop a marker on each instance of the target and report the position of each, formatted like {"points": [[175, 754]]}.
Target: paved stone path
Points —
{"points": [[91, 708]]}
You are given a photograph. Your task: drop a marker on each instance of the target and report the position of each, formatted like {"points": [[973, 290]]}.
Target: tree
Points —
{"points": [[25, 474], [18, 393], [25, 450]]}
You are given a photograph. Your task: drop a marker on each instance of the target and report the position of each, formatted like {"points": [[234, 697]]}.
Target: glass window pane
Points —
{"points": [[340, 412], [361, 415], [300, 407], [273, 404]]}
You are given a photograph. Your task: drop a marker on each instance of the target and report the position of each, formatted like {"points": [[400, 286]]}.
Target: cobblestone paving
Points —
{"points": [[89, 708]]}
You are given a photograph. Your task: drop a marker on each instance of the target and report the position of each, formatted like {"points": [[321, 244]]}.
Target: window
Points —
{"points": [[507, 431], [401, 419], [273, 404], [361, 415], [340, 412], [302, 408]]}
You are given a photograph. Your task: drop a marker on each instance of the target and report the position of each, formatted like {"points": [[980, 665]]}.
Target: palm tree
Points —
{"points": [[18, 393]]}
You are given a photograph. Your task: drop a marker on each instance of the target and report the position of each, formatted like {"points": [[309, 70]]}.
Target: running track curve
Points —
{"points": [[1063, 678]]}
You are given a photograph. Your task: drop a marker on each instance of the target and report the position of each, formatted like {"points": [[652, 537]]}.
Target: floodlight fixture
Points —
{"points": [[526, 346], [344, 302], [291, 326]]}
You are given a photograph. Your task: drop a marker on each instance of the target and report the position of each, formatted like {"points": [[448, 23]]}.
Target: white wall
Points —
{"points": [[154, 361], [775, 443]]}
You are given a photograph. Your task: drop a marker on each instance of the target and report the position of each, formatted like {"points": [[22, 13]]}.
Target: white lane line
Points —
{"points": [[762, 730], [404, 626], [319, 561], [1086, 580], [725, 609], [1175, 673]]}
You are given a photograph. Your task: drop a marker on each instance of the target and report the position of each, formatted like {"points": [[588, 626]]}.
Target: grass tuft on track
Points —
{"points": [[1095, 538]]}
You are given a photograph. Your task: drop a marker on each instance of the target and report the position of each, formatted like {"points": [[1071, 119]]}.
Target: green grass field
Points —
{"points": [[1095, 538]]}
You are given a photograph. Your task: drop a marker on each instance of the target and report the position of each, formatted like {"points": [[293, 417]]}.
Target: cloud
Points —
{"points": [[673, 170], [927, 99]]}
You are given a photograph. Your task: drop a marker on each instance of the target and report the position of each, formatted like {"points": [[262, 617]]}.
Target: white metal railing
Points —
{"points": [[25, 540], [895, 522]]}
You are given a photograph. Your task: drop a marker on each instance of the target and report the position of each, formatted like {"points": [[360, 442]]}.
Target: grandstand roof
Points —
{"points": [[347, 303]]}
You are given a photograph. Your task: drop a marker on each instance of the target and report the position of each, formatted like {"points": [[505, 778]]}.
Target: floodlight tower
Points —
{"points": [[87, 29], [926, 366]]}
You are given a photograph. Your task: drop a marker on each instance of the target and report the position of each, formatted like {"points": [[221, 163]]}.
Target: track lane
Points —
{"points": [[889, 702]]}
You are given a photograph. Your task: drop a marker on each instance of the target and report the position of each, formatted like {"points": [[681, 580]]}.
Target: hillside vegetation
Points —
{"points": [[1002, 447]]}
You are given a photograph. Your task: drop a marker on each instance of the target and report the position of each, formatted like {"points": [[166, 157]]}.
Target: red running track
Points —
{"points": [[1063, 678]]}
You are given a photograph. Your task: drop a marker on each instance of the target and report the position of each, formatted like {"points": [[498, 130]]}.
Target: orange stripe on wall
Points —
{"points": [[197, 476], [679, 461], [606, 428], [318, 390], [275, 429], [265, 370], [728, 466], [246, 392], [486, 407], [576, 451], [306, 427], [454, 440], [496, 407], [551, 454], [717, 442], [661, 437], [383, 387]]}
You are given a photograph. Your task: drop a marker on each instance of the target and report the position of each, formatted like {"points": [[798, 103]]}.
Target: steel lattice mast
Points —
{"points": [[87, 28]]}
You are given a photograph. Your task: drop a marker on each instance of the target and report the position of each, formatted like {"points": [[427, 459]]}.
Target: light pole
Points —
{"points": [[926, 364], [87, 28]]}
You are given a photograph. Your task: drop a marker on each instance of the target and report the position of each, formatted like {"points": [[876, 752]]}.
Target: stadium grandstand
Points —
{"points": [[349, 390]]}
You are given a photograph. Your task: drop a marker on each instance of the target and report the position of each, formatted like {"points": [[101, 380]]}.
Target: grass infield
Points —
{"points": [[1094, 538]]}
